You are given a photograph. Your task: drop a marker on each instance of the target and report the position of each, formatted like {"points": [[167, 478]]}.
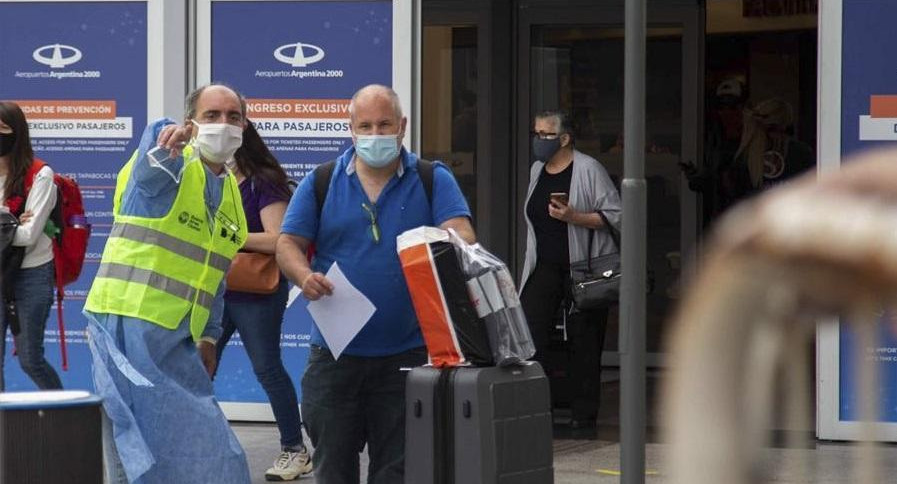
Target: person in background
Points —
{"points": [[259, 317], [568, 193], [715, 179], [29, 296], [154, 309], [768, 155], [375, 194]]}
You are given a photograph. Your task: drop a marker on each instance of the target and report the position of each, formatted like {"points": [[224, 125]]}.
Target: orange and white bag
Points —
{"points": [[453, 332]]}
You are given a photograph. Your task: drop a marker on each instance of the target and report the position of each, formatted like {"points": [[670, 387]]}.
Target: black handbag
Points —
{"points": [[11, 257], [595, 282]]}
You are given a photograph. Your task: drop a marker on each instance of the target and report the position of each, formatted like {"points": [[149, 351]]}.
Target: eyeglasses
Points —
{"points": [[544, 135], [372, 213]]}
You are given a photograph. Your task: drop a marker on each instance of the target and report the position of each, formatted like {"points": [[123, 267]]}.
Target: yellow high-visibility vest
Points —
{"points": [[161, 269]]}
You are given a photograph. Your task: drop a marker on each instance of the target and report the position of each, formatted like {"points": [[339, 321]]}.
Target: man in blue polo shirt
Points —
{"points": [[375, 194]]}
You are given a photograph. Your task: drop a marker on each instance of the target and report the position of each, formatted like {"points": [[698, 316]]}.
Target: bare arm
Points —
{"points": [[292, 259], [462, 226], [266, 242]]}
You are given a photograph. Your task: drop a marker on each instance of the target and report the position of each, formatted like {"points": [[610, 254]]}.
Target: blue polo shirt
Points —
{"points": [[343, 234]]}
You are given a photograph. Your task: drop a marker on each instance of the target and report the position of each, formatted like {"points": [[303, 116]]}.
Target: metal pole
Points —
{"points": [[632, 298], [417, 40], [191, 19]]}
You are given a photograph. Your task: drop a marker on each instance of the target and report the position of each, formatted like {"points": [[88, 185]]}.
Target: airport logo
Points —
{"points": [[299, 54], [56, 56]]}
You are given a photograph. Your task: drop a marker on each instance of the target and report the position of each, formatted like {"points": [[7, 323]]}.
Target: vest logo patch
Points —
{"points": [[228, 228], [190, 220], [232, 236]]}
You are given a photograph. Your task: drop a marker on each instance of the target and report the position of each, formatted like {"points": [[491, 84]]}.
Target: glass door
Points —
{"points": [[449, 102], [572, 59], [457, 108]]}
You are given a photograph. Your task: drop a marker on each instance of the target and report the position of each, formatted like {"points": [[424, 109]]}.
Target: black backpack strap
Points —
{"points": [[425, 171], [323, 172]]}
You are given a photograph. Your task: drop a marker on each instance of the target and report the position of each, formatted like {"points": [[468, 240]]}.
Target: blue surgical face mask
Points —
{"points": [[377, 150], [544, 149]]}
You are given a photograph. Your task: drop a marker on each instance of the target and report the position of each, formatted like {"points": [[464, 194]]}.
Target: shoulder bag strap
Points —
{"points": [[610, 228], [613, 235], [589, 252]]}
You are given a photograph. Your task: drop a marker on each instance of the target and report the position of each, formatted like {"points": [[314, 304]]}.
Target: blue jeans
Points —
{"points": [[353, 402], [34, 296], [259, 323]]}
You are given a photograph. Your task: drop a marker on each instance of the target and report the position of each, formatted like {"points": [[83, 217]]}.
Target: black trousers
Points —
{"points": [[547, 288]]}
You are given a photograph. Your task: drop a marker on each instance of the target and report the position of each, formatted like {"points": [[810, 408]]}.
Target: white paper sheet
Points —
{"points": [[342, 315]]}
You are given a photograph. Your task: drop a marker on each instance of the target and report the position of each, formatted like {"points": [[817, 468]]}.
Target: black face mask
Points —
{"points": [[7, 140], [544, 149]]}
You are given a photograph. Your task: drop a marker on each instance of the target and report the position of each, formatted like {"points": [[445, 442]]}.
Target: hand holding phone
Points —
{"points": [[688, 168], [560, 198]]}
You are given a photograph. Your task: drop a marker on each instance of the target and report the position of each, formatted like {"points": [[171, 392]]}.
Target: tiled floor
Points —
{"points": [[593, 456], [598, 461]]}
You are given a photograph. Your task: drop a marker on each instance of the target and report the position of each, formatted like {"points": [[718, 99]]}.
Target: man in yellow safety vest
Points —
{"points": [[154, 309]]}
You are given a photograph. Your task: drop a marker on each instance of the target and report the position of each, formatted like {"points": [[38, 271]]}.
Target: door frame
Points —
{"points": [[689, 16], [491, 229]]}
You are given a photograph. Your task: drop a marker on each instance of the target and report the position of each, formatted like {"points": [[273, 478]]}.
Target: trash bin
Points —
{"points": [[50, 436]]}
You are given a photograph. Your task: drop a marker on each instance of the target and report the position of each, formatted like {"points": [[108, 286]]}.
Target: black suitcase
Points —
{"points": [[488, 425]]}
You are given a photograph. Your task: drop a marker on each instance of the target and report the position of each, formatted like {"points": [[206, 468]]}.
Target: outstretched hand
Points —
{"points": [[173, 137]]}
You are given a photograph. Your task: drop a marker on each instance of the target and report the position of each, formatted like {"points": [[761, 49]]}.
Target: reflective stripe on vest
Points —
{"points": [[147, 235], [163, 269], [155, 280]]}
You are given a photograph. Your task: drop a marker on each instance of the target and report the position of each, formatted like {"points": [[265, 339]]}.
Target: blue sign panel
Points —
{"points": [[868, 119], [78, 70], [298, 63]]}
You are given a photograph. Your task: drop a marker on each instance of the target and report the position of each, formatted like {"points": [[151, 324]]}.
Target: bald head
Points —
{"points": [[376, 117], [213, 90], [375, 93]]}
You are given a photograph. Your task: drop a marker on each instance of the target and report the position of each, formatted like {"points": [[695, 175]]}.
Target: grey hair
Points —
{"points": [[563, 120], [193, 97], [377, 90]]}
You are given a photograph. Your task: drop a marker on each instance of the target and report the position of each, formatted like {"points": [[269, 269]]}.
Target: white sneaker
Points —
{"points": [[289, 466]]}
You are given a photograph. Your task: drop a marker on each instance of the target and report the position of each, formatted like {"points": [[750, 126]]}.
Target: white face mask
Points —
{"points": [[217, 142]]}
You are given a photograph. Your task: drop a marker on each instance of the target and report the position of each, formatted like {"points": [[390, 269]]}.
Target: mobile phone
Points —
{"points": [[559, 197]]}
